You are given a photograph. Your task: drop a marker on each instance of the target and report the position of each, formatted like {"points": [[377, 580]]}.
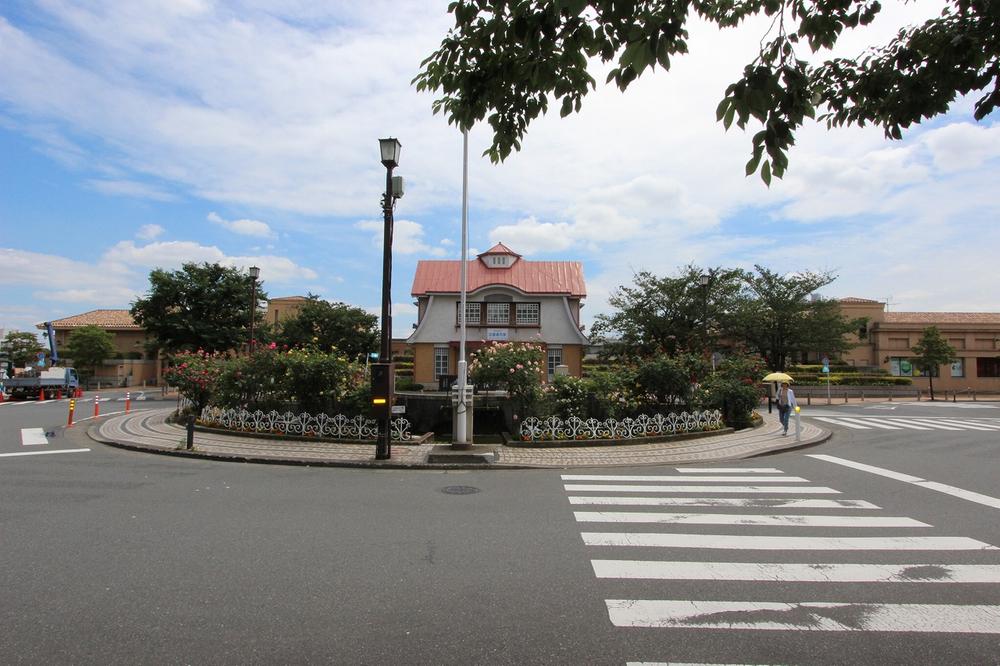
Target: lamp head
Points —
{"points": [[254, 272], [390, 149]]}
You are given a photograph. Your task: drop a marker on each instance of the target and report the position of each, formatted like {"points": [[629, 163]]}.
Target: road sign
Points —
{"points": [[399, 409]]}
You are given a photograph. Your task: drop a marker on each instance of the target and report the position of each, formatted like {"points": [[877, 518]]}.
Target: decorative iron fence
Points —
{"points": [[356, 428], [556, 429]]}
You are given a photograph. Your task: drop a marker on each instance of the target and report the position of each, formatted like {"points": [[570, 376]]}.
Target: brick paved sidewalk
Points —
{"points": [[147, 430]]}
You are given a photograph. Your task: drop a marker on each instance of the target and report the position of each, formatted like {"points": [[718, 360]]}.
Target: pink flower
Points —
{"points": [[273, 345]]}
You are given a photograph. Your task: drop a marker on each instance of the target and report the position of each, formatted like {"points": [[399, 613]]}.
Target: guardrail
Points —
{"points": [[844, 393]]}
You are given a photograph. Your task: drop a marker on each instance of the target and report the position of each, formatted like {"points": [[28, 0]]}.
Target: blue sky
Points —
{"points": [[145, 134]]}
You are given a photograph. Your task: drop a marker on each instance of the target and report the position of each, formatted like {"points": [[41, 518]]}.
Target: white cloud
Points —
{"points": [[149, 232], [407, 237], [243, 227], [130, 188]]}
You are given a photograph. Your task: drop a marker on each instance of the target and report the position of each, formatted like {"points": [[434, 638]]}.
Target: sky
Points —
{"points": [[147, 134]]}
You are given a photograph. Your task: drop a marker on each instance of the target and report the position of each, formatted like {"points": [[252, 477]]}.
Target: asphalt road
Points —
{"points": [[112, 556]]}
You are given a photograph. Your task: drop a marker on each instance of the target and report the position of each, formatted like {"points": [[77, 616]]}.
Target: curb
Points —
{"points": [[94, 434]]}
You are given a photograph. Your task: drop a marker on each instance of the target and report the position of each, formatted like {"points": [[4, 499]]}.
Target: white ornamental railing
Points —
{"points": [[356, 428], [534, 429]]}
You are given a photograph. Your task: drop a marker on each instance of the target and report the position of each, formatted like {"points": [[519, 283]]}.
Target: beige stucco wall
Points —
{"points": [[423, 364]]}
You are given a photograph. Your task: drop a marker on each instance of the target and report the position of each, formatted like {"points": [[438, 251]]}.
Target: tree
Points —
{"points": [[668, 315], [331, 326], [22, 348], [778, 317], [504, 59], [930, 352], [202, 306], [88, 346]]}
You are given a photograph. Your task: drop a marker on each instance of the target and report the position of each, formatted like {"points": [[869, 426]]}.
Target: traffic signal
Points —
{"points": [[383, 388]]}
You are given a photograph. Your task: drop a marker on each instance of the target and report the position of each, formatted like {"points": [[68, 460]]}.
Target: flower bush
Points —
{"points": [[515, 367], [196, 375], [734, 389]]}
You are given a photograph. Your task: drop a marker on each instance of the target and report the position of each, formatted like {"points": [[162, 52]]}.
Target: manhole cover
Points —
{"points": [[460, 490]]}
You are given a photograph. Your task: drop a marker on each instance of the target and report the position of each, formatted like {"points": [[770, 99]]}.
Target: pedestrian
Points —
{"points": [[786, 403]]}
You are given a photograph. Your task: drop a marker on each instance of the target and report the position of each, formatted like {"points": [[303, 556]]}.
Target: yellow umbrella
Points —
{"points": [[778, 377]]}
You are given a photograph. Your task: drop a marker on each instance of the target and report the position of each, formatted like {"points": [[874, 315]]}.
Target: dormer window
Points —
{"points": [[496, 260], [499, 256]]}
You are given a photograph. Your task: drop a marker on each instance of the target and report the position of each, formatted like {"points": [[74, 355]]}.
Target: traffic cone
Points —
{"points": [[41, 394], [128, 401]]}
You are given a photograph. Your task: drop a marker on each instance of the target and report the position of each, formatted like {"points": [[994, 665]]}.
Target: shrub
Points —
{"points": [[196, 375], [668, 380], [733, 389], [515, 367], [568, 396]]}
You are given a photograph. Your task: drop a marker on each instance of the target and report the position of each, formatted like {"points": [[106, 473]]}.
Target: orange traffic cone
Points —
{"points": [[41, 394]]}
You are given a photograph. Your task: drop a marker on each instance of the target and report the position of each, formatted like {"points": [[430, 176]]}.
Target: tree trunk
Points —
{"points": [[930, 378]]}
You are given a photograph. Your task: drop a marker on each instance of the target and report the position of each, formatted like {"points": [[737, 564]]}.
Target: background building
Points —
{"points": [[885, 342], [508, 299]]}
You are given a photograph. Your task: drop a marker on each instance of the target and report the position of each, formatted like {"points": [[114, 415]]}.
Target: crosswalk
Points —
{"points": [[775, 531], [135, 397], [926, 423]]}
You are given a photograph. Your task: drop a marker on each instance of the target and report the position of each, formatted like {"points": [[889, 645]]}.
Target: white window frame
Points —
{"points": [[439, 354], [534, 308], [553, 354], [492, 308], [473, 313]]}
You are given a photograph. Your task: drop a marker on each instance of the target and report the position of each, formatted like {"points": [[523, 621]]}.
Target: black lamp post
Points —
{"points": [[382, 376], [704, 279], [254, 274]]}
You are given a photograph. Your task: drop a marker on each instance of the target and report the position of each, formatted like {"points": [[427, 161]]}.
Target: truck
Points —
{"points": [[36, 381], [48, 383]]}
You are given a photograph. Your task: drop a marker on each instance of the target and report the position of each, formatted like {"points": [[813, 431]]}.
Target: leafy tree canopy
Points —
{"points": [[88, 346], [505, 59], [22, 348], [668, 315], [202, 306], [779, 317], [930, 352], [327, 326]]}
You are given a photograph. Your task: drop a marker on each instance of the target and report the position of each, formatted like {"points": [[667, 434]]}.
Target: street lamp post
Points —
{"points": [[704, 279], [383, 376], [254, 274]]}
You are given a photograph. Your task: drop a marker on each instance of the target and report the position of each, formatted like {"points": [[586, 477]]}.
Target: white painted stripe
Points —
{"points": [[751, 542], [728, 470], [746, 502], [33, 437], [961, 425], [881, 471], [685, 479], [874, 423], [805, 616], [926, 422], [41, 453], [786, 490], [969, 495], [783, 520], [682, 663], [838, 422], [798, 573], [905, 423]]}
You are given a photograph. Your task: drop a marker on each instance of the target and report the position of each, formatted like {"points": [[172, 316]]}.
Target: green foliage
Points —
{"points": [[196, 375], [202, 306], [777, 317], [567, 396], [515, 367], [668, 315], [668, 380], [931, 351], [327, 326], [315, 381], [733, 389], [88, 346], [22, 348], [505, 59]]}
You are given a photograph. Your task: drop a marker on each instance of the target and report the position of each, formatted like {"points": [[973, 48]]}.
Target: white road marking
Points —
{"points": [[964, 425], [926, 422], [868, 422], [805, 616], [784, 520], [747, 502], [798, 573], [969, 495], [33, 437], [838, 422], [41, 453], [805, 490], [685, 479], [728, 470], [750, 542]]}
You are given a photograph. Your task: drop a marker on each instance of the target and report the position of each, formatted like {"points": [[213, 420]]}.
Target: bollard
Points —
{"points": [[809, 399], [128, 401], [97, 405], [890, 395], [974, 396], [954, 396], [862, 396], [72, 408], [845, 397], [190, 432], [58, 394]]}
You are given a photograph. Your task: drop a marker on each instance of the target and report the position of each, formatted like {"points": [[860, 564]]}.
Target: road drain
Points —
{"points": [[460, 490]]}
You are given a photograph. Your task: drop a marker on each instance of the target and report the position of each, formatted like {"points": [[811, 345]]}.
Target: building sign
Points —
{"points": [[496, 334]]}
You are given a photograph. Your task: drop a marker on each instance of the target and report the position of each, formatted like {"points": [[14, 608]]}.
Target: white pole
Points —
{"points": [[461, 429]]}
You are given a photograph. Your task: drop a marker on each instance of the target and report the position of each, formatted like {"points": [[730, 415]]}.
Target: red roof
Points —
{"points": [[931, 318], [500, 248], [531, 277]]}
